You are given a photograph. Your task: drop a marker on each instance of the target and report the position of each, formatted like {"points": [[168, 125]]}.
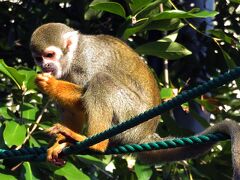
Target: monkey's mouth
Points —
{"points": [[51, 71]]}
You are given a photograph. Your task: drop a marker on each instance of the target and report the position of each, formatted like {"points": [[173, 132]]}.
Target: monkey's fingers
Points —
{"points": [[46, 82]]}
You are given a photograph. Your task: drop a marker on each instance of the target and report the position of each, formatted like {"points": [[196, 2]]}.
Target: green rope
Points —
{"points": [[166, 106], [39, 154]]}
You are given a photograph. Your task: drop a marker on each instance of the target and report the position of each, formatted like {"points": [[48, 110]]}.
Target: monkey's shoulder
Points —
{"points": [[107, 40]]}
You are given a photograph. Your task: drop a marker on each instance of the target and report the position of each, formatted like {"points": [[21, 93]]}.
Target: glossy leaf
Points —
{"points": [[14, 133], [164, 25], [28, 175], [170, 38], [166, 93], [7, 177], [135, 28], [91, 13], [146, 11], [221, 35], [69, 171], [29, 111], [230, 63], [235, 1], [136, 5], [111, 7], [143, 172], [5, 113], [183, 14], [12, 73], [166, 50], [29, 79]]}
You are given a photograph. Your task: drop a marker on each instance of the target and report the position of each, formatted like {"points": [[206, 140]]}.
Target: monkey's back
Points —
{"points": [[130, 64]]}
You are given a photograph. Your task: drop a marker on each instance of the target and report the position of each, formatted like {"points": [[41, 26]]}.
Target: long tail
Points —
{"points": [[229, 127]]}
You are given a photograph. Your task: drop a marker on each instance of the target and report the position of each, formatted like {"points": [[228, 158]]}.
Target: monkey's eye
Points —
{"points": [[50, 54]]}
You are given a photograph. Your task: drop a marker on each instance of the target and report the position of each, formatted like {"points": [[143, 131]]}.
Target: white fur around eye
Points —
{"points": [[58, 51]]}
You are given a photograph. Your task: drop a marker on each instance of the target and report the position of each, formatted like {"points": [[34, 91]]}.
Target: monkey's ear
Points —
{"points": [[71, 40]]}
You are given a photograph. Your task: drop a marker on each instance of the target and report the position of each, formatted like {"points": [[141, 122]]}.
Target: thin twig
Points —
{"points": [[34, 126]]}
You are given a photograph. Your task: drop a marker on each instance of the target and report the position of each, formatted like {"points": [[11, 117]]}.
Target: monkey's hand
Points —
{"points": [[65, 93], [46, 83]]}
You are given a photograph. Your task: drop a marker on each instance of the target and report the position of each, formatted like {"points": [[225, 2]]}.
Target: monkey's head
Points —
{"points": [[53, 46]]}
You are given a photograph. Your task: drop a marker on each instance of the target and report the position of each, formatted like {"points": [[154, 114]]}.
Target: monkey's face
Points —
{"points": [[53, 46], [50, 60]]}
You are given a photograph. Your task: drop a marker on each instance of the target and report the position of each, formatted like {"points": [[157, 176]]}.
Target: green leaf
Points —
{"points": [[136, 5], [150, 7], [166, 93], [6, 113], [91, 14], [29, 111], [143, 172], [231, 64], [69, 171], [28, 175], [169, 14], [165, 50], [29, 79], [91, 159], [7, 177], [33, 142], [14, 133], [111, 7], [164, 25], [221, 35], [235, 1], [170, 38], [135, 28], [12, 73]]}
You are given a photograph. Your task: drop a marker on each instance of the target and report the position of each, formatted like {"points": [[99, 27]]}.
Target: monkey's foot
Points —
{"points": [[46, 82], [68, 133], [54, 151]]}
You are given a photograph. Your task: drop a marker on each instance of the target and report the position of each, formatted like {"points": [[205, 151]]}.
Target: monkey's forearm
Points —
{"points": [[65, 93]]}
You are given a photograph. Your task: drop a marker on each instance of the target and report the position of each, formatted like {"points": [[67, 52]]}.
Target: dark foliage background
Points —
{"points": [[198, 44]]}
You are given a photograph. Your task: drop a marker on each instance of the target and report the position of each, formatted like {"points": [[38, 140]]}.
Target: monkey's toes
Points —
{"points": [[53, 154]]}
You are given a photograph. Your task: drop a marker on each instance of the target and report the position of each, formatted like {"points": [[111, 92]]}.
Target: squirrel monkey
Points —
{"points": [[100, 81]]}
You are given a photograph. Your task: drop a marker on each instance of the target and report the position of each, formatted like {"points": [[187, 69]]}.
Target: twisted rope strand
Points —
{"points": [[166, 106], [39, 154]]}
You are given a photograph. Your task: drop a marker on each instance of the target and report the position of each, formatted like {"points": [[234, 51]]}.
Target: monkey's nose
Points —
{"points": [[48, 67]]}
